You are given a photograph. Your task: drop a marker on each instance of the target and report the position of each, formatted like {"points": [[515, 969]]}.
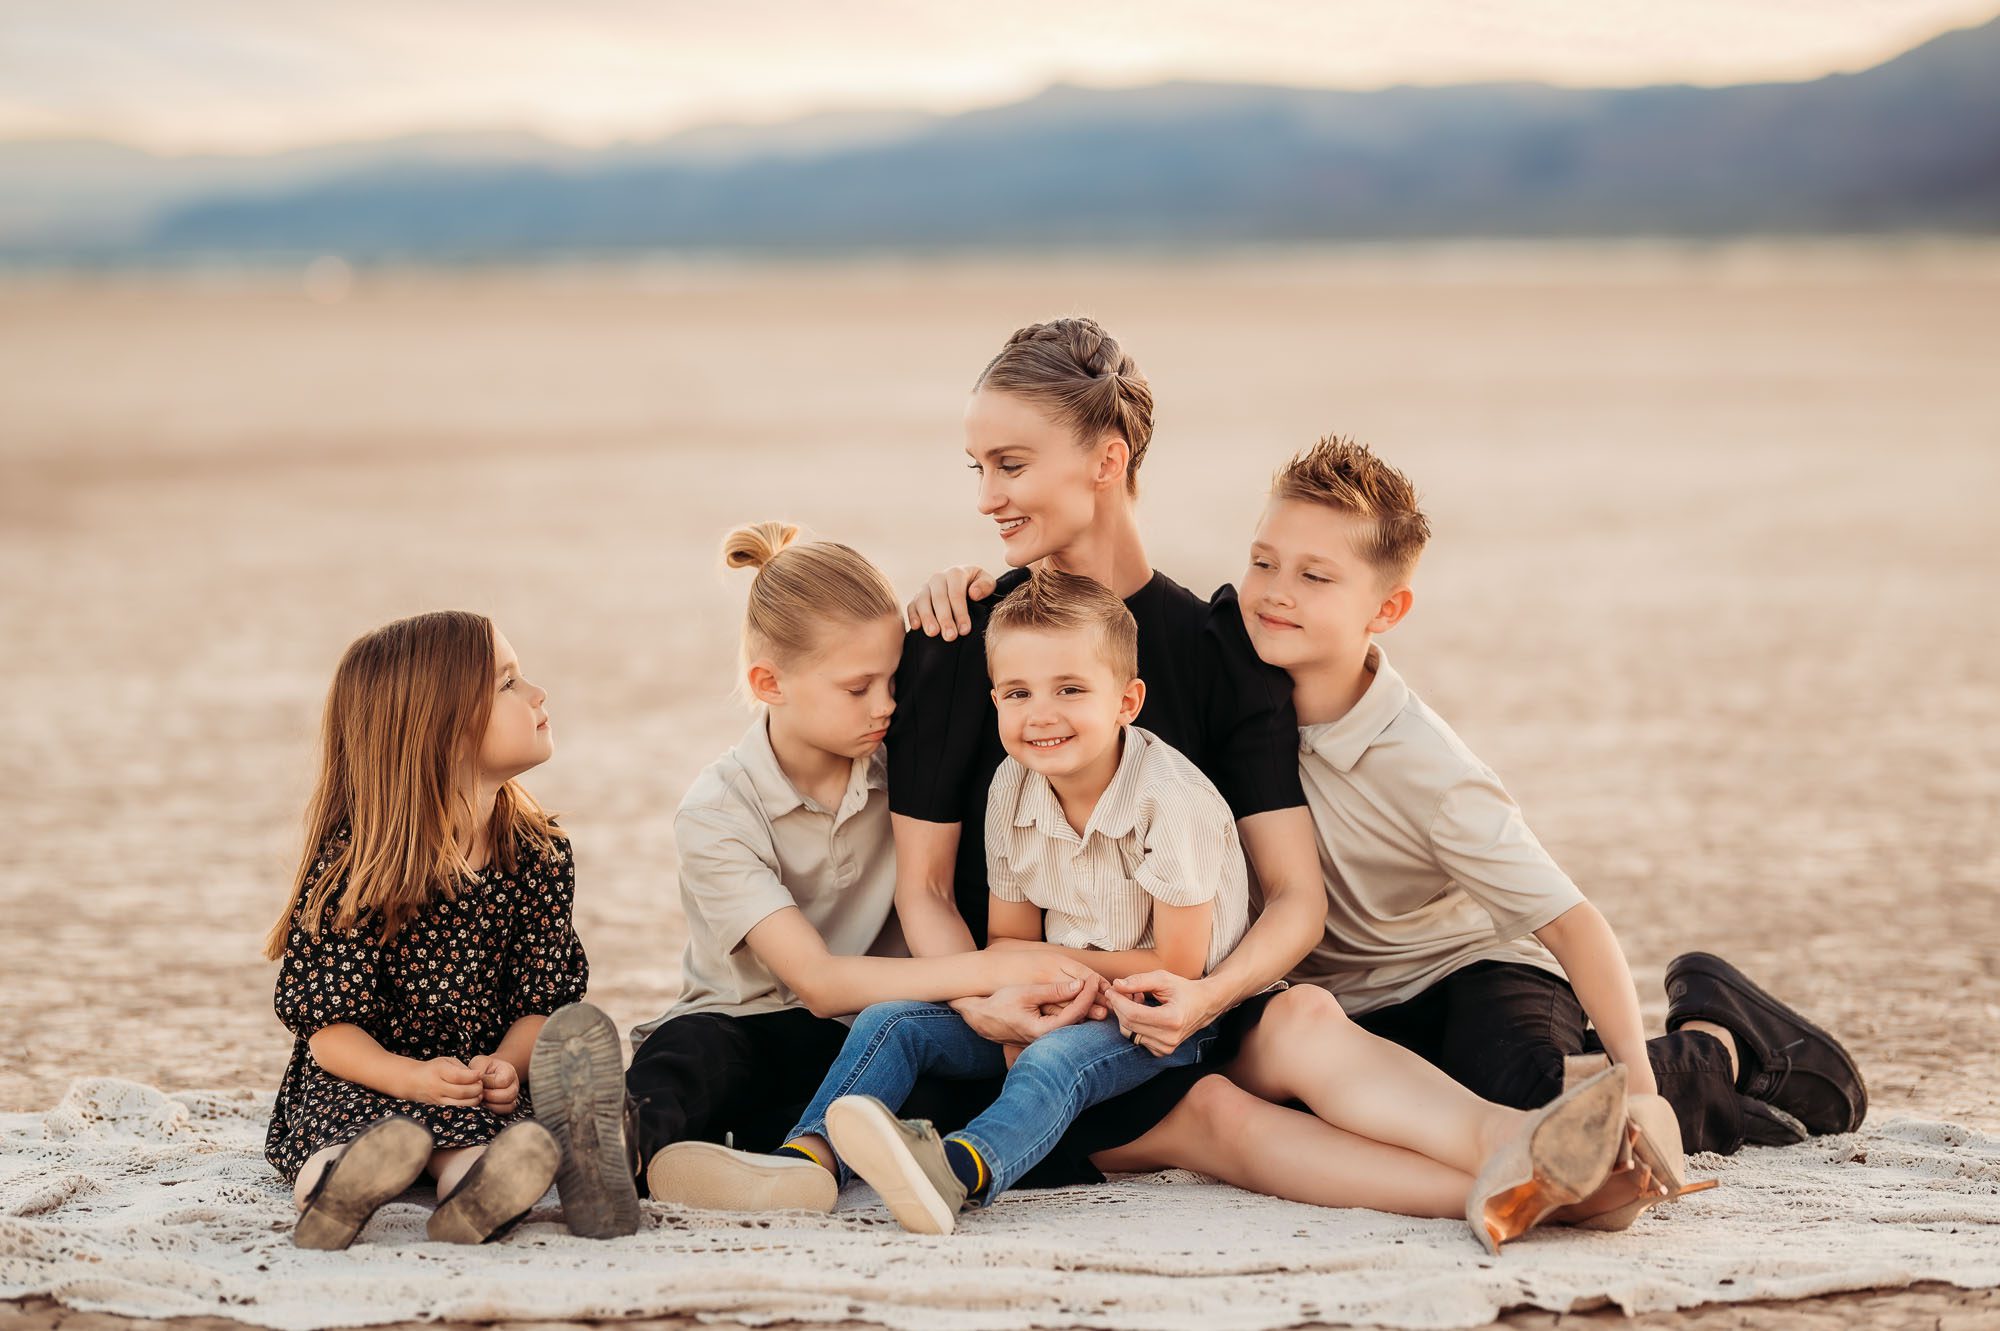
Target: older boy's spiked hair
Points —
{"points": [[1347, 477], [1054, 601]]}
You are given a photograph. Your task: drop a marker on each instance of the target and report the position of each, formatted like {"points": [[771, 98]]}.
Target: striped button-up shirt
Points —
{"points": [[1160, 832]]}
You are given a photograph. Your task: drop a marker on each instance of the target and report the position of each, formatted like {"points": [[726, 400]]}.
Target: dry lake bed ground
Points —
{"points": [[1713, 586]]}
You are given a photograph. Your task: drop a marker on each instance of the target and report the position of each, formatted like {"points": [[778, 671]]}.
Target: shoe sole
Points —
{"points": [[1707, 963], [1566, 1158], [577, 1077], [716, 1178], [865, 1135], [502, 1184], [378, 1165]]}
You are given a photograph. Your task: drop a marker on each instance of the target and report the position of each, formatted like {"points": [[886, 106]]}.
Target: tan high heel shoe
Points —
{"points": [[1653, 1147], [1561, 1155]]}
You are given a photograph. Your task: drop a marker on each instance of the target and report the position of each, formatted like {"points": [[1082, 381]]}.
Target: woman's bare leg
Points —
{"points": [[1306, 1048], [1222, 1130]]}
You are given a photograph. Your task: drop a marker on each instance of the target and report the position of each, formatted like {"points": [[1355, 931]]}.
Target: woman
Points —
{"points": [[1057, 427]]}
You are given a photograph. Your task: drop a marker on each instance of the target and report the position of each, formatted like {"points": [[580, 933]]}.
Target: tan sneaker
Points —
{"points": [[716, 1178], [903, 1160]]}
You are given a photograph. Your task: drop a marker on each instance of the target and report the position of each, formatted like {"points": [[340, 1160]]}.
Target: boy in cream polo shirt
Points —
{"points": [[1449, 929]]}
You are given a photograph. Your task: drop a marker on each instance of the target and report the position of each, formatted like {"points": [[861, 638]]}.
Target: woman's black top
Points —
{"points": [[1207, 694]]}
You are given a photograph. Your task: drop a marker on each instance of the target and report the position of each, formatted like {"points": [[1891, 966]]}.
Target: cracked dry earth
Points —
{"points": [[1712, 588]]}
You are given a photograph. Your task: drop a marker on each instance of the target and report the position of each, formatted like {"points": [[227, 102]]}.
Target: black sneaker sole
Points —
{"points": [[1715, 968], [577, 1078]]}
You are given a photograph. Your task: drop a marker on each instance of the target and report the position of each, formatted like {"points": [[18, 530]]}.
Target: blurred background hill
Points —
{"points": [[1912, 144]]}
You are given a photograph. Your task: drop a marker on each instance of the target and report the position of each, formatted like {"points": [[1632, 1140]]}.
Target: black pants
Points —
{"points": [[1502, 1030], [706, 1074]]}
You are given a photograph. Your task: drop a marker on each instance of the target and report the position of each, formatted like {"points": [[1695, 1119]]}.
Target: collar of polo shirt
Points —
{"points": [[1117, 811], [775, 791], [1341, 743]]}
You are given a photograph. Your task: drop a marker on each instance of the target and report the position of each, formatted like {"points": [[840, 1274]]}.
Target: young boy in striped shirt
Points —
{"points": [[1100, 839]]}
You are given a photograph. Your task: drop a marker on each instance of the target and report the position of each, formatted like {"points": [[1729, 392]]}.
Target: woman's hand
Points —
{"points": [[444, 1081], [499, 1081], [1015, 1014], [1182, 1007], [942, 606], [1016, 962]]}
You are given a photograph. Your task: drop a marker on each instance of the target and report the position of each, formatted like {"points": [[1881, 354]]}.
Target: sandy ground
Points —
{"points": [[1712, 584]]}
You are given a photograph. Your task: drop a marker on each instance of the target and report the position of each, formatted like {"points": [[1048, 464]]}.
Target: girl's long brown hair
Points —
{"points": [[388, 821]]}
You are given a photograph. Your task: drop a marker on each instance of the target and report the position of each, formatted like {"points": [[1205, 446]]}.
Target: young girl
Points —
{"points": [[427, 937], [788, 881]]}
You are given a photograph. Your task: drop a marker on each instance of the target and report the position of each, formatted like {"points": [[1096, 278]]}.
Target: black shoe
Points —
{"points": [[1768, 1125], [1782, 1059], [577, 1078]]}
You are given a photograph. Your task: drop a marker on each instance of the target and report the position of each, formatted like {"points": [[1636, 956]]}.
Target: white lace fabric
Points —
{"points": [[127, 1200]]}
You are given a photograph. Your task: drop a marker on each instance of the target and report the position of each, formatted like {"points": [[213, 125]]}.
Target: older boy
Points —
{"points": [[1449, 928]]}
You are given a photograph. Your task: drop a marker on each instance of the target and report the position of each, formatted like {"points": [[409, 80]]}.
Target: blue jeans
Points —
{"points": [[1055, 1079]]}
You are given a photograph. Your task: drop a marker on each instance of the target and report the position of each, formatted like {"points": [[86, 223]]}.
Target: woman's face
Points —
{"points": [[1041, 488]]}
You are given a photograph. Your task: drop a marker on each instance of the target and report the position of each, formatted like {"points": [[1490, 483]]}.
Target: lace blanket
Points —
{"points": [[123, 1199]]}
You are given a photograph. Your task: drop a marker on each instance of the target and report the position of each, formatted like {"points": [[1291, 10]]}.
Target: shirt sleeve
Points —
{"points": [[944, 707], [1188, 836], [729, 875], [1254, 746], [330, 977], [1479, 838], [1002, 879], [546, 963]]}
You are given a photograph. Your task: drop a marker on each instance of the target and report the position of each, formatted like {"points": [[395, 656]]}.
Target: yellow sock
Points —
{"points": [[980, 1175], [805, 1151]]}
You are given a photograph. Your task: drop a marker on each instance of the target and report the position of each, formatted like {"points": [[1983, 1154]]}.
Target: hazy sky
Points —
{"points": [[258, 74]]}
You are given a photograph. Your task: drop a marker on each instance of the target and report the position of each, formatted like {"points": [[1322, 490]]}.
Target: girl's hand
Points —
{"points": [[942, 608], [500, 1082], [444, 1081]]}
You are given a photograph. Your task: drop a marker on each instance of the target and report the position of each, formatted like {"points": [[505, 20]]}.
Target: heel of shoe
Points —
{"points": [[377, 1166], [501, 1187], [1561, 1155], [1656, 1143]]}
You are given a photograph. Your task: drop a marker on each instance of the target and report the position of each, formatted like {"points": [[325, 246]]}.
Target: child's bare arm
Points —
{"points": [[833, 985], [352, 1054], [1012, 921], [1588, 951], [1180, 944]]}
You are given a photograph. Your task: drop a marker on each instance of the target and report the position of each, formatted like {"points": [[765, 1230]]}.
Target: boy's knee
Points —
{"points": [[879, 1016]]}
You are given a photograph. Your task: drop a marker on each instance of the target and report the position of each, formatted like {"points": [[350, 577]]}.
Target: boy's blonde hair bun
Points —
{"points": [[757, 544], [801, 589]]}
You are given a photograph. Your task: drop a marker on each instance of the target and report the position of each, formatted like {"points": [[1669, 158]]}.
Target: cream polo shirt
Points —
{"points": [[751, 845], [1428, 864], [1160, 832]]}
